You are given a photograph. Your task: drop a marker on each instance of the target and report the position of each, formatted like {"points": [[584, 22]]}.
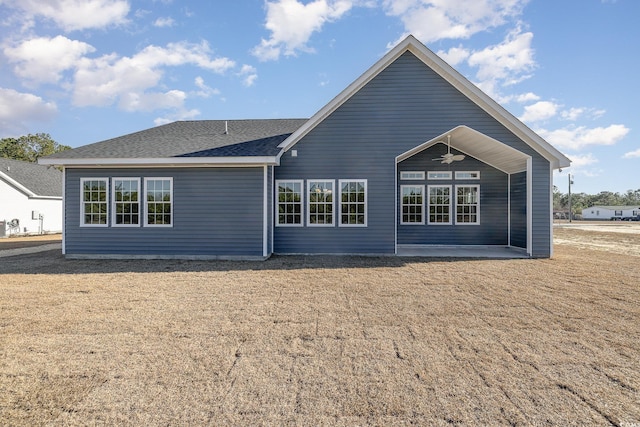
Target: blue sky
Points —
{"points": [[88, 70]]}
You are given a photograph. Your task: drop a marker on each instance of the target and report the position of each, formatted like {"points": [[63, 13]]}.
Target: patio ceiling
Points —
{"points": [[480, 146]]}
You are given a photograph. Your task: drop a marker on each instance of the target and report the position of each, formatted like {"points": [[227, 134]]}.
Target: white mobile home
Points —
{"points": [[611, 212], [30, 198]]}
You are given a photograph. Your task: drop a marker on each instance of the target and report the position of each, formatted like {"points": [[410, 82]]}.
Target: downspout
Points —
{"points": [[265, 212], [64, 210]]}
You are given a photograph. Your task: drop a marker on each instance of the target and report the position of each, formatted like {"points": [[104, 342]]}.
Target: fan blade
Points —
{"points": [[447, 160], [438, 159], [458, 157]]}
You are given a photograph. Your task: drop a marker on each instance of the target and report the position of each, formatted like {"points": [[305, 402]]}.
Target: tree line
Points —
{"points": [[581, 201], [30, 147]]}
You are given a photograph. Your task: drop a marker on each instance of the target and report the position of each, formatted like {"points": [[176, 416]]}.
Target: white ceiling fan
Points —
{"points": [[449, 158]]}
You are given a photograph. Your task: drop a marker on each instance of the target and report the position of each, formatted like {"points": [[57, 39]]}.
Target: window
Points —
{"points": [[126, 202], [94, 202], [439, 175], [159, 202], [289, 202], [467, 174], [411, 175], [618, 213], [412, 204], [467, 204], [353, 202], [439, 204], [320, 196]]}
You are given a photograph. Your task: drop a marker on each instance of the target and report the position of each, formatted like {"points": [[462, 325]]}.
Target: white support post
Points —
{"points": [[530, 206]]}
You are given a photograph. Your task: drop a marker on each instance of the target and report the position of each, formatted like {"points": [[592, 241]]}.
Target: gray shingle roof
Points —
{"points": [[197, 138], [39, 179]]}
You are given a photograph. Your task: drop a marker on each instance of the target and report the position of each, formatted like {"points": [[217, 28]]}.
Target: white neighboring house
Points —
{"points": [[30, 198], [610, 212]]}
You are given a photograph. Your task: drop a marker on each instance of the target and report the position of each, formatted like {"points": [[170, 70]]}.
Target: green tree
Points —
{"points": [[30, 147]]}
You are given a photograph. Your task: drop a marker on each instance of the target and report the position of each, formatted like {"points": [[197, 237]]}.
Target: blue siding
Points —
{"points": [[401, 108], [217, 212], [493, 227], [519, 210]]}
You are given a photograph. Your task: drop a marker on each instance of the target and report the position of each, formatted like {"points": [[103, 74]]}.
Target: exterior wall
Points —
{"points": [[519, 210], [216, 212], [605, 213], [401, 108], [493, 227], [16, 204]]}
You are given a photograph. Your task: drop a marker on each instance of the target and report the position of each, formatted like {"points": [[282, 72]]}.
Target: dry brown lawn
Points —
{"points": [[324, 340]]}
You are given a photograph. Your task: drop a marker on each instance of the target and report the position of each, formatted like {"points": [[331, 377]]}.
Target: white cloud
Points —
{"points": [[249, 75], [632, 154], [164, 22], [17, 109], [573, 113], [73, 15], [102, 81], [510, 61], [42, 59], [527, 97], [205, 91], [181, 114], [433, 20], [292, 23], [579, 161], [455, 55], [576, 138], [541, 110], [150, 101]]}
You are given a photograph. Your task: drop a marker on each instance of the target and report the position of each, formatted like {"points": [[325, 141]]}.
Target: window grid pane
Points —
{"points": [[320, 202], [412, 204], [439, 204], [467, 204], [158, 201], [94, 201], [126, 201], [289, 202], [353, 202]]}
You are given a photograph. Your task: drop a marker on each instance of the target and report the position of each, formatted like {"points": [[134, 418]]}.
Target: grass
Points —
{"points": [[322, 340]]}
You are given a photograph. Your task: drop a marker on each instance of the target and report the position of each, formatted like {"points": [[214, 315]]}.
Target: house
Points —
{"points": [[611, 212], [409, 156], [30, 198]]}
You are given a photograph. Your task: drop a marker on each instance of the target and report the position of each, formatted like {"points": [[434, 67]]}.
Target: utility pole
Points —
{"points": [[570, 208]]}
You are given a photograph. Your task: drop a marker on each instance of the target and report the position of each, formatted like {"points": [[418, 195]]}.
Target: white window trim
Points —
{"points": [[146, 203], [449, 175], [456, 205], [428, 210], [277, 203], [333, 202], [407, 175], [460, 175], [113, 202], [402, 205], [82, 202], [366, 203]]}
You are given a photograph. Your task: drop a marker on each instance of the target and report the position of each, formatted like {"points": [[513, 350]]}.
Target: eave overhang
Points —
{"points": [[239, 161]]}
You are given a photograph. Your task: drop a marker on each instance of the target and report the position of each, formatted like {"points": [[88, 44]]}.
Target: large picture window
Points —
{"points": [[94, 203], [412, 204], [289, 202], [126, 202], [467, 204], [353, 202], [158, 202], [439, 204], [320, 196]]}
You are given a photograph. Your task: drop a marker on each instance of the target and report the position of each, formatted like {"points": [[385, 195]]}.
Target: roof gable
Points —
{"points": [[444, 70], [32, 179]]}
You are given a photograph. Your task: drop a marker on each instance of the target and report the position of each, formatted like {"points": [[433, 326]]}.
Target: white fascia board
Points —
{"points": [[164, 161], [437, 64], [17, 185]]}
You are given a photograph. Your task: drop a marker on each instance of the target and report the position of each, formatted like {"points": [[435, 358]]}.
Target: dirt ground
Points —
{"points": [[326, 340]]}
